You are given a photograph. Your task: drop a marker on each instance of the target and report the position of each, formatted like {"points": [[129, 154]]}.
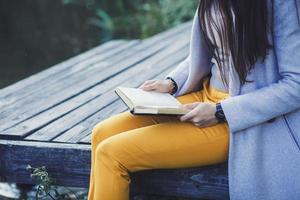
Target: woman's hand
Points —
{"points": [[163, 86], [201, 114]]}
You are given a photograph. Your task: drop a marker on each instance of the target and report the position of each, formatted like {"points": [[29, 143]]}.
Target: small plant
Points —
{"points": [[45, 186]]}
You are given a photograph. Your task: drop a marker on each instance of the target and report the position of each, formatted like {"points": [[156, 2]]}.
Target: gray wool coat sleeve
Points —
{"points": [[246, 110], [180, 73], [197, 62]]}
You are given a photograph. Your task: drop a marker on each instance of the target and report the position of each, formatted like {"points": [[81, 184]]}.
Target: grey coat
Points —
{"points": [[263, 115]]}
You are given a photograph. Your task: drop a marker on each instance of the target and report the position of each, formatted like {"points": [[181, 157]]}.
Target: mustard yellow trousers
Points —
{"points": [[126, 143]]}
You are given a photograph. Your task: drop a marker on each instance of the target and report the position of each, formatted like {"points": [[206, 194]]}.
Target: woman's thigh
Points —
{"points": [[168, 145], [125, 121]]}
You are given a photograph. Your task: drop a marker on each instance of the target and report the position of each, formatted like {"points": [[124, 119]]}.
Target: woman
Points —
{"points": [[241, 82]]}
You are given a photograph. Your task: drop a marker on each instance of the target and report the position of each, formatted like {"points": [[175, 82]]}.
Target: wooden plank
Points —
{"points": [[70, 166], [68, 121], [80, 133], [81, 130], [86, 140], [12, 118], [7, 92], [207, 182]]}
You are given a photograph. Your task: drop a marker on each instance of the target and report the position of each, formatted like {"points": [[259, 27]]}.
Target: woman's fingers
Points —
{"points": [[156, 85], [191, 105], [147, 84], [188, 116], [192, 114], [151, 86]]}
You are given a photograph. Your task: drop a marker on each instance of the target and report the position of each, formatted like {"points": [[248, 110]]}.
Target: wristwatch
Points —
{"points": [[219, 113], [174, 85]]}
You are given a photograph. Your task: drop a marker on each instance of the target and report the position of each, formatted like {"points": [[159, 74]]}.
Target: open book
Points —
{"points": [[150, 102]]}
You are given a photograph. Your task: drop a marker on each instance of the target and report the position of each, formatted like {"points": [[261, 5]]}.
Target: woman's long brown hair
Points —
{"points": [[245, 38]]}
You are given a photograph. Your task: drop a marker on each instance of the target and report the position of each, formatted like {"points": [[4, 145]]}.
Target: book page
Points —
{"points": [[140, 97]]}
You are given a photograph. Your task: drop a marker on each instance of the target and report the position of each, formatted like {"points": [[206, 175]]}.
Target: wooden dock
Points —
{"points": [[46, 119]]}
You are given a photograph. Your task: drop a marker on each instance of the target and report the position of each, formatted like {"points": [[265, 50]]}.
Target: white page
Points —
{"points": [[150, 98]]}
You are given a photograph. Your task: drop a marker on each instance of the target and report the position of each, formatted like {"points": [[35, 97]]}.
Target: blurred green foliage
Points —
{"points": [[35, 34], [135, 18]]}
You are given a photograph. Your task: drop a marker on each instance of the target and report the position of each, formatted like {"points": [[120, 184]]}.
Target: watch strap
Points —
{"points": [[174, 85]]}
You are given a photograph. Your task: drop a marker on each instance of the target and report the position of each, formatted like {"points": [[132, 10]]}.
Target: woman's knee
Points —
{"points": [[107, 148], [109, 126], [99, 132], [110, 152]]}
